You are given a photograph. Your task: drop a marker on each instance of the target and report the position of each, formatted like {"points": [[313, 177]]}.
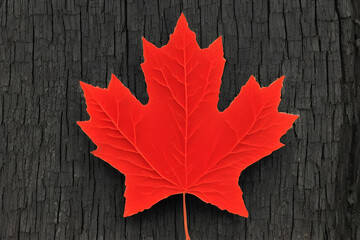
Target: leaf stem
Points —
{"points": [[185, 219]]}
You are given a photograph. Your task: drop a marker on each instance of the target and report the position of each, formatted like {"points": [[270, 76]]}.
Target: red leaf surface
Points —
{"points": [[179, 142]]}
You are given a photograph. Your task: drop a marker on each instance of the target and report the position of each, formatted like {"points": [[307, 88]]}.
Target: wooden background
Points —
{"points": [[51, 187]]}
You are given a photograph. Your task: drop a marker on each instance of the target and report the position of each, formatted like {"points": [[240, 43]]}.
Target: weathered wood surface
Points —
{"points": [[51, 187]]}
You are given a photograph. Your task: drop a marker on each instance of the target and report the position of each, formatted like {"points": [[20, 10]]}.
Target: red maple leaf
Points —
{"points": [[179, 142]]}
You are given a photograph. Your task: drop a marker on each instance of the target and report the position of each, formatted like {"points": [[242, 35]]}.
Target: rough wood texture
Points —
{"points": [[52, 187]]}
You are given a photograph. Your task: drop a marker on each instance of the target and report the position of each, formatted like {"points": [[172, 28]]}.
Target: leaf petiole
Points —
{"points": [[185, 219]]}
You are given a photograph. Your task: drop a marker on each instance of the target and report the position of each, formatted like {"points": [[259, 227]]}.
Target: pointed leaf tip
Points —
{"points": [[112, 79], [182, 20], [277, 85], [148, 49], [182, 26], [217, 43], [145, 42], [252, 82], [82, 83], [279, 81], [84, 86], [114, 83]]}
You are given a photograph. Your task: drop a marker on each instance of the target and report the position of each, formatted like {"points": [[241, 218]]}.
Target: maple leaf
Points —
{"points": [[179, 142]]}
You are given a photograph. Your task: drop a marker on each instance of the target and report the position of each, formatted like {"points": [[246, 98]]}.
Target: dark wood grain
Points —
{"points": [[51, 187]]}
